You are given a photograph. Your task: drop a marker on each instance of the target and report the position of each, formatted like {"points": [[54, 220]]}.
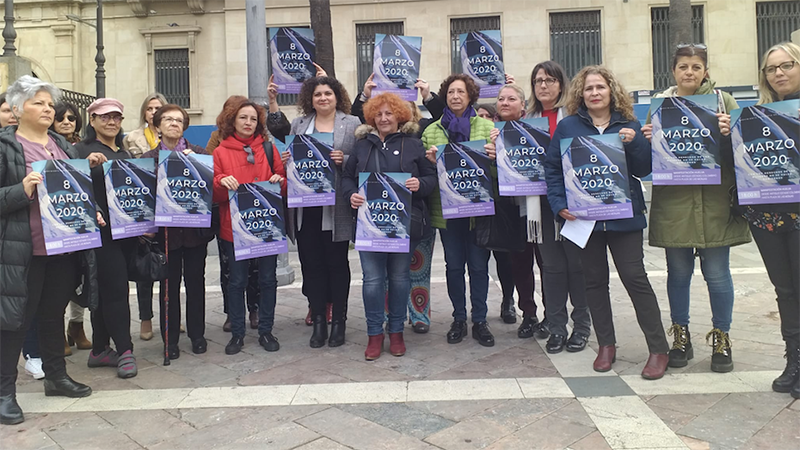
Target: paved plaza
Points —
{"points": [[438, 396]]}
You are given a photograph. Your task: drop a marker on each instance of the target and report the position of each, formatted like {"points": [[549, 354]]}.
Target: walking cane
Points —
{"points": [[166, 300]]}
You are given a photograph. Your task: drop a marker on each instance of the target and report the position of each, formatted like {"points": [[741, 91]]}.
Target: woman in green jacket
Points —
{"points": [[460, 123], [697, 220]]}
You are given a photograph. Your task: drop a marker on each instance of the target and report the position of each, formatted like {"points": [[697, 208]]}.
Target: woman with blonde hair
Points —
{"points": [[598, 104]]}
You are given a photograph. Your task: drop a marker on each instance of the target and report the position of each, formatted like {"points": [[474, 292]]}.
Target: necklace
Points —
{"points": [[601, 124]]}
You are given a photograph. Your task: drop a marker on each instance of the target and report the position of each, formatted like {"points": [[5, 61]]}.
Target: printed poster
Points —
{"points": [[765, 153], [686, 140], [521, 149], [465, 181], [66, 204], [183, 190], [310, 172], [291, 55], [258, 220], [384, 220], [131, 194], [596, 177], [482, 59], [396, 65]]}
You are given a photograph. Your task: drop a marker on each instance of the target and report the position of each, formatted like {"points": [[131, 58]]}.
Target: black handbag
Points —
{"points": [[504, 231], [148, 262]]}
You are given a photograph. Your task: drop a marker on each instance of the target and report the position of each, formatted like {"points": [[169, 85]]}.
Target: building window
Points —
{"points": [[775, 22], [662, 52], [365, 46], [172, 75], [466, 25], [575, 40]]}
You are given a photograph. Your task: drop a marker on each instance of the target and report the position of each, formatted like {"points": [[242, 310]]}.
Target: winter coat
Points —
{"points": [[136, 143], [344, 139], [435, 106], [699, 216], [16, 246], [637, 156], [370, 154], [435, 135]]}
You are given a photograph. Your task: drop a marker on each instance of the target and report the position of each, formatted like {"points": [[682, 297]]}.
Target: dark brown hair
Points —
{"points": [[167, 108], [305, 101], [689, 50], [554, 70], [227, 118], [473, 90]]}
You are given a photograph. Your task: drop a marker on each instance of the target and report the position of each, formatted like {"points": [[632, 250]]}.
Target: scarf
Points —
{"points": [[247, 141], [152, 139], [458, 128], [178, 148]]}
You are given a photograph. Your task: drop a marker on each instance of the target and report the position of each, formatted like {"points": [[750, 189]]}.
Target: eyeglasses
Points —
{"points": [[105, 118], [549, 81], [70, 118], [784, 66], [172, 120], [700, 46], [250, 157]]}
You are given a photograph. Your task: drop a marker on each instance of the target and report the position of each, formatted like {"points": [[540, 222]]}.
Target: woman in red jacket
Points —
{"points": [[241, 158]]}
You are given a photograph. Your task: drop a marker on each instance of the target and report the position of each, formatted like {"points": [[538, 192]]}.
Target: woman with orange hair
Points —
{"points": [[386, 144]]}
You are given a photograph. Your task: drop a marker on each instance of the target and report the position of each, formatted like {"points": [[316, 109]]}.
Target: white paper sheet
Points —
{"points": [[578, 231]]}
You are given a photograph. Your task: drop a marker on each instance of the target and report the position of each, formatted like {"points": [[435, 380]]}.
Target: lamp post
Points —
{"points": [[100, 59], [9, 33]]}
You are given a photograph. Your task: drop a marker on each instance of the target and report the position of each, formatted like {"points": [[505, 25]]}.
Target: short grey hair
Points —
{"points": [[26, 87]]}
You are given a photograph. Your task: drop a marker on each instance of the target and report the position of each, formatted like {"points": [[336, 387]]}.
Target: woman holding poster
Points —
{"points": [[241, 158], [33, 285], [692, 220], [598, 104], [776, 227], [386, 144], [460, 123]]}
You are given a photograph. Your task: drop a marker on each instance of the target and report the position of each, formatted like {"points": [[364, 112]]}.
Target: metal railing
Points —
{"points": [[81, 101], [575, 40], [775, 22], [172, 75], [662, 51], [365, 46]]}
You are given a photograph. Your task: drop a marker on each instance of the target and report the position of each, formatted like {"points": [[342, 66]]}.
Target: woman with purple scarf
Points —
{"points": [[460, 123]]}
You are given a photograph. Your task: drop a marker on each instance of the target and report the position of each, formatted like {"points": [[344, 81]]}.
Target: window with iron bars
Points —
{"points": [[172, 75], [662, 51], [283, 99], [466, 25], [775, 22], [575, 40], [365, 46]]}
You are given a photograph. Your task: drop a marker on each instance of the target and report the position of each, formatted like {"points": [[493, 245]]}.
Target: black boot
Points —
{"points": [[507, 311], [337, 333], [788, 380], [682, 350], [320, 333], [721, 356], [10, 412], [66, 387]]}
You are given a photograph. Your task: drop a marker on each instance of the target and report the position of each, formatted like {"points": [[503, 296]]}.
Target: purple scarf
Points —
{"points": [[458, 128], [178, 148]]}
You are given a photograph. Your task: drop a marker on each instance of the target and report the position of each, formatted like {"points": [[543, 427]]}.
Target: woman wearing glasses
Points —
{"points": [[241, 158], [776, 227], [688, 221], [187, 247]]}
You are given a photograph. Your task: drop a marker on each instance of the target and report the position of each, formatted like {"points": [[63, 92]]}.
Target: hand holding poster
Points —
{"points": [[310, 172], [183, 192], [686, 140], [482, 59], [765, 152], [130, 190], [384, 220], [291, 52], [465, 183], [596, 177], [66, 204], [258, 220], [521, 149], [396, 65]]}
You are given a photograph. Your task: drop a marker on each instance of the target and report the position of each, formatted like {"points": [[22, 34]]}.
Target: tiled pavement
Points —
{"points": [[438, 396]]}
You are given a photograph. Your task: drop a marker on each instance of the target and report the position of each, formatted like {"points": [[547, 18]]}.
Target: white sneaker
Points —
{"points": [[33, 367]]}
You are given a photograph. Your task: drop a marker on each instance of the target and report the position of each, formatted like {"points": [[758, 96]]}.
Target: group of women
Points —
{"points": [[688, 221]]}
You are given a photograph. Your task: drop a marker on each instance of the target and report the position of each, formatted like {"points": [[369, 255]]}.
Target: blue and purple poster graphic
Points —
{"points": [[131, 194], [258, 220], [184, 189], [396, 65], [482, 59], [521, 149], [465, 181], [310, 173], [383, 223], [291, 54]]}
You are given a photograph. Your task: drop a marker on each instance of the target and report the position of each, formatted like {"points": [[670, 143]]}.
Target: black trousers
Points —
{"points": [[781, 255], [51, 283], [112, 320], [504, 273], [626, 249], [188, 264], [144, 296], [324, 264]]}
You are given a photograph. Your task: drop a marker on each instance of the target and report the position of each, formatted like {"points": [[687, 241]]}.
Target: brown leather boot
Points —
{"points": [[606, 355], [656, 366], [67, 348], [374, 347], [397, 347], [75, 334]]}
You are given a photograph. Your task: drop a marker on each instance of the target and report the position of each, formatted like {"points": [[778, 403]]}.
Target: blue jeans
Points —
{"points": [[267, 282], [715, 264], [459, 250], [377, 267]]}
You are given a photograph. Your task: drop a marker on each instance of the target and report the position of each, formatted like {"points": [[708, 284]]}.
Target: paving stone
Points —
{"points": [[594, 441], [520, 413], [401, 418], [781, 432], [674, 419], [84, 433], [574, 412], [473, 433], [598, 386], [455, 411], [694, 404], [627, 422], [323, 444], [795, 405], [282, 437], [147, 427], [17, 438], [548, 433], [696, 444], [158, 378]]}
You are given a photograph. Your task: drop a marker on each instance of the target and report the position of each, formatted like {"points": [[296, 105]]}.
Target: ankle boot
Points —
{"points": [[507, 311], [320, 333], [76, 335], [682, 350], [374, 347], [655, 367], [721, 356], [337, 333], [791, 374], [606, 355], [10, 412], [397, 347], [67, 348]]}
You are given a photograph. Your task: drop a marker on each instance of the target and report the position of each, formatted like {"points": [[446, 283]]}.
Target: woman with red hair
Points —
{"points": [[241, 158], [386, 144]]}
